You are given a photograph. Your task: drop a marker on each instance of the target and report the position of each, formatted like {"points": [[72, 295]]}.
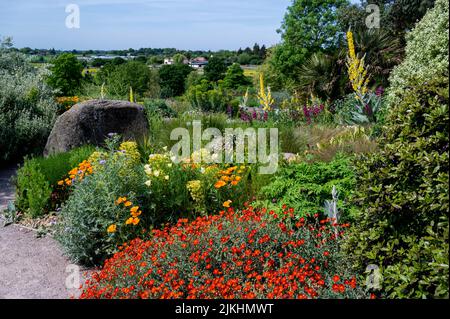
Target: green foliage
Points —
{"points": [[235, 78], [215, 70], [322, 75], [172, 79], [40, 174], [33, 191], [133, 74], [66, 75], [426, 53], [308, 26], [404, 193], [403, 189], [158, 106], [27, 107], [306, 186], [207, 97], [351, 111]]}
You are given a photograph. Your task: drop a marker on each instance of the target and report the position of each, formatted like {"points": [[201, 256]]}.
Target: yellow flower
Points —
{"points": [[60, 183], [227, 203], [112, 229], [129, 221]]}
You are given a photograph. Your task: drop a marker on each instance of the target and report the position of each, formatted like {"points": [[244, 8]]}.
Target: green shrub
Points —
{"points": [[306, 186], [426, 53], [403, 189], [27, 107], [33, 192], [50, 170], [207, 97], [158, 106]]}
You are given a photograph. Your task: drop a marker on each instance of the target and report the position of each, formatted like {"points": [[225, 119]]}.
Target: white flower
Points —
{"points": [[156, 173], [202, 170], [165, 148], [148, 183], [169, 165], [166, 177]]}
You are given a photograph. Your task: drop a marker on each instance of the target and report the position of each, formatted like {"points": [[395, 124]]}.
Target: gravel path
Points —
{"points": [[31, 267], [6, 189]]}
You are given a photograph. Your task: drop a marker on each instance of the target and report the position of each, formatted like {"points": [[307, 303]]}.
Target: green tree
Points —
{"points": [[215, 70], [66, 76], [308, 26], [172, 79], [131, 74], [179, 58], [235, 77]]}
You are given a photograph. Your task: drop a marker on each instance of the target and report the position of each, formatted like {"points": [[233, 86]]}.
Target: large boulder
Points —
{"points": [[90, 122]]}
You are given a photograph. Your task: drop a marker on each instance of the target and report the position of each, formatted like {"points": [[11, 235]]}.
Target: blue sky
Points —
{"points": [[123, 24]]}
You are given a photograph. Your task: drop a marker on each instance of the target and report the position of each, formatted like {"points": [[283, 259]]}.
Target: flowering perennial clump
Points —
{"points": [[248, 254], [77, 174]]}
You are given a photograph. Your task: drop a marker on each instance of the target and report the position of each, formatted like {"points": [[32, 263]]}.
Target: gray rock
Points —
{"points": [[90, 122]]}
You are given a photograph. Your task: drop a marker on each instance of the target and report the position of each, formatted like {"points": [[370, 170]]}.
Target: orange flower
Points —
{"points": [[134, 209], [219, 184], [128, 203], [136, 214], [227, 203], [120, 200], [112, 229], [60, 183], [132, 220], [234, 183]]}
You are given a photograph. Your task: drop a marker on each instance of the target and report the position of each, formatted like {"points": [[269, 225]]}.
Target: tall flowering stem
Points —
{"points": [[356, 70], [265, 96]]}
